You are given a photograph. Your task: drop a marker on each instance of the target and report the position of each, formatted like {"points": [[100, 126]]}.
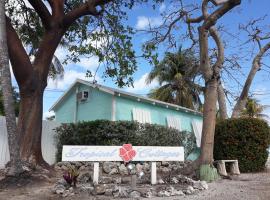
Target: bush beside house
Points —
{"points": [[104, 132], [245, 139]]}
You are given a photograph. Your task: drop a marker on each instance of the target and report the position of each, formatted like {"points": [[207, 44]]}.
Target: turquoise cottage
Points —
{"points": [[85, 101]]}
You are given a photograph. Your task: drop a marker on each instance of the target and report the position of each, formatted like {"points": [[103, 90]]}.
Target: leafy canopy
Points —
{"points": [[105, 36]]}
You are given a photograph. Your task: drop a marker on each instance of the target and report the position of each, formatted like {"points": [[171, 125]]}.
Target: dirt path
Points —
{"points": [[245, 187]]}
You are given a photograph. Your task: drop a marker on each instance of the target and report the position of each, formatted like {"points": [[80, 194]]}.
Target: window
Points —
{"points": [[142, 116], [174, 122]]}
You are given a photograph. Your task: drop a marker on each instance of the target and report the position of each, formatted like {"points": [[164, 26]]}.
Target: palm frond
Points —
{"points": [[176, 74], [254, 109]]}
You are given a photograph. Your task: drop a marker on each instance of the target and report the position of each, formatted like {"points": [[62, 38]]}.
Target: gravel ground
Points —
{"points": [[246, 186]]}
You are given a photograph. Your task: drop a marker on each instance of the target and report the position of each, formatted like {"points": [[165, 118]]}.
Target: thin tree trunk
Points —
{"points": [[209, 122], [210, 99], [240, 105], [222, 102], [211, 77], [13, 139]]}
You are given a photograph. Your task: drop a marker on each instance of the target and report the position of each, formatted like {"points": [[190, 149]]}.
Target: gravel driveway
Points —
{"points": [[244, 187]]}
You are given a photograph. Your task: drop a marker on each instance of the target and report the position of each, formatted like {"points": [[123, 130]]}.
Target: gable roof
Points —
{"points": [[118, 92]]}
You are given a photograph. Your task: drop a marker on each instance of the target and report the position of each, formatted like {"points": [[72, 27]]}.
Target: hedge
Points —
{"points": [[104, 132], [245, 139]]}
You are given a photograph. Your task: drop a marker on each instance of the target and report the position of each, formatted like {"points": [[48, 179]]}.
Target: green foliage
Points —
{"points": [[245, 139], [176, 75], [16, 103], [103, 132], [105, 36]]}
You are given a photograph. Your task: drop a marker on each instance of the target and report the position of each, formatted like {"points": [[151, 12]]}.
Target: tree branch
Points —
{"points": [[212, 18], [42, 12], [19, 59], [88, 8], [204, 55], [170, 28], [204, 9], [256, 64], [44, 55], [222, 101], [220, 57], [57, 10], [194, 20]]}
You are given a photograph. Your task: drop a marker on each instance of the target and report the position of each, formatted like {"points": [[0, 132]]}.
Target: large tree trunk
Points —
{"points": [[222, 102], [32, 77], [30, 125], [209, 122], [31, 92], [13, 141]]}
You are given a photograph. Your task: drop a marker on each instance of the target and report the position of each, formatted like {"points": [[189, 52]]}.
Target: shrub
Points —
{"points": [[103, 132], [245, 139], [71, 176]]}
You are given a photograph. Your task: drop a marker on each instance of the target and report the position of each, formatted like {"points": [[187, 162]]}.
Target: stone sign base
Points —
{"points": [[117, 180]]}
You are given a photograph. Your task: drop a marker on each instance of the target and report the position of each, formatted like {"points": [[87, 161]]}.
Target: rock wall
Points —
{"points": [[115, 180]]}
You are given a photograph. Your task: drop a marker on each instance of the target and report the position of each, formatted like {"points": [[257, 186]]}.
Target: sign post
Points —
{"points": [[96, 172], [153, 173]]}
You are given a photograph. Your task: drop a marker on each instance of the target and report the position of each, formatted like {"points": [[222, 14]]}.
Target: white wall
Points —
{"points": [[48, 144], [4, 152]]}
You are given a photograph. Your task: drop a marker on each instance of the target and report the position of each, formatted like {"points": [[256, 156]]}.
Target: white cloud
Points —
{"points": [[267, 112], [141, 86], [162, 7], [61, 53], [89, 63], [144, 22], [259, 91], [86, 63], [69, 78]]}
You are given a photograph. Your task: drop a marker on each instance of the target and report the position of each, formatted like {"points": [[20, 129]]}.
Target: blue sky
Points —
{"points": [[139, 17]]}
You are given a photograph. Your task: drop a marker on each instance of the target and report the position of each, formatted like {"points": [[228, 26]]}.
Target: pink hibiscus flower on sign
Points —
{"points": [[127, 153]]}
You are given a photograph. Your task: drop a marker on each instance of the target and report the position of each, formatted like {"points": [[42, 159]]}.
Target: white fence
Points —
{"points": [[48, 144]]}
